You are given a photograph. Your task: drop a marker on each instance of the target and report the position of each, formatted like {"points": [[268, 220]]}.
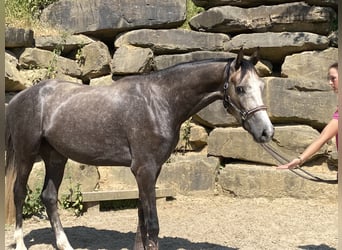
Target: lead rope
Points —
{"points": [[281, 159]]}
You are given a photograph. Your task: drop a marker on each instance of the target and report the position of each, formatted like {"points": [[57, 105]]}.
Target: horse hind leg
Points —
{"points": [[20, 155], [19, 191], [54, 165]]}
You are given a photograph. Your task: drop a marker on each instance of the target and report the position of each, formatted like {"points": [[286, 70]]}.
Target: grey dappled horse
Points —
{"points": [[135, 122]]}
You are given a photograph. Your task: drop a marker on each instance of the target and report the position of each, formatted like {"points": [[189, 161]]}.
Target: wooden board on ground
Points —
{"points": [[92, 199]]}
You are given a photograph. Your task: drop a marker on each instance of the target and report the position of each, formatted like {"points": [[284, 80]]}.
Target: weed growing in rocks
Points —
{"points": [[74, 200], [33, 205]]}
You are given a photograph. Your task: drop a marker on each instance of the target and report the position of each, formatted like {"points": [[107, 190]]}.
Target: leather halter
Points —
{"points": [[245, 115]]}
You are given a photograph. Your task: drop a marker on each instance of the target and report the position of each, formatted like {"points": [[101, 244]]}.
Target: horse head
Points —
{"points": [[243, 97]]}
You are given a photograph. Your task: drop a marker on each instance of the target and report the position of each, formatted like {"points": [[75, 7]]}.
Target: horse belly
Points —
{"points": [[92, 153], [87, 145]]}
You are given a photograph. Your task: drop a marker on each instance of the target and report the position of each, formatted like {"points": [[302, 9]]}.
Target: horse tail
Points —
{"points": [[10, 175], [8, 144]]}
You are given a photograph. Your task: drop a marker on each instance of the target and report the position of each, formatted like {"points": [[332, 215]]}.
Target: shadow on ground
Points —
{"points": [[316, 247], [81, 237]]}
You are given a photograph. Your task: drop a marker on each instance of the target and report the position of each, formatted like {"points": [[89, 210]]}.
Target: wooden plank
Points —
{"points": [[122, 195]]}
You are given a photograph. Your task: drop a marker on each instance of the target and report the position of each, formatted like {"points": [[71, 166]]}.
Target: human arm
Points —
{"points": [[327, 133]]}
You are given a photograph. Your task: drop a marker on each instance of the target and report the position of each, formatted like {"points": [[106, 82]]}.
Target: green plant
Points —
{"points": [[74, 200], [334, 24], [52, 68], [26, 9], [186, 131], [191, 11], [33, 204], [80, 59], [57, 51]]}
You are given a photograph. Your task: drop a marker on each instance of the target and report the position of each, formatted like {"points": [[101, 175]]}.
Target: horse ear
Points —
{"points": [[238, 59], [255, 57]]}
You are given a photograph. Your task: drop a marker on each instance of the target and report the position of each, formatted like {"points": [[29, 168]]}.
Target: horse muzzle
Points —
{"points": [[259, 126]]}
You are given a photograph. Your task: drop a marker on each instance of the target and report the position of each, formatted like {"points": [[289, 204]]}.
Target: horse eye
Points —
{"points": [[239, 90]]}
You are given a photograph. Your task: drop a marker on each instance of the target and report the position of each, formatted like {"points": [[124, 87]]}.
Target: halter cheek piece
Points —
{"points": [[245, 115]]}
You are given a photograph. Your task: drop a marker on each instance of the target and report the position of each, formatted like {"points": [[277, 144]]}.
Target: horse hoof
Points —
{"points": [[152, 246]]}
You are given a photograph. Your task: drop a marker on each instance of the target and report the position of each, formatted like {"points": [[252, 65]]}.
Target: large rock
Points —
{"points": [[17, 37], [253, 3], [311, 103], [96, 60], [198, 137], [192, 137], [189, 173], [284, 17], [310, 65], [105, 18], [102, 81], [67, 43], [38, 58], [165, 61], [131, 60], [276, 46], [236, 143], [173, 40], [252, 181], [32, 72], [14, 81], [33, 76]]}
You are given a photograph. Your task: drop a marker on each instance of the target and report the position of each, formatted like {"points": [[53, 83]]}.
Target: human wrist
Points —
{"points": [[301, 160]]}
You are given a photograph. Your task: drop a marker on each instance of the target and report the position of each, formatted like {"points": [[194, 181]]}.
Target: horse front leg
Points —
{"points": [[141, 235], [148, 226]]}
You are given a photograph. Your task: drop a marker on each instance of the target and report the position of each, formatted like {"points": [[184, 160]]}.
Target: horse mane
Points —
{"points": [[190, 64], [196, 62], [246, 64]]}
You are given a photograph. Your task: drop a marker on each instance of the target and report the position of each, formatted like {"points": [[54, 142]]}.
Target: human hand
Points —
{"points": [[292, 164]]}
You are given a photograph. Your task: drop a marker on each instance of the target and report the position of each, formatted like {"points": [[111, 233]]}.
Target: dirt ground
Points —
{"points": [[200, 222]]}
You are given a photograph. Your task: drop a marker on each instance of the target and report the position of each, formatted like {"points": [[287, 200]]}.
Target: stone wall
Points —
{"points": [[108, 39]]}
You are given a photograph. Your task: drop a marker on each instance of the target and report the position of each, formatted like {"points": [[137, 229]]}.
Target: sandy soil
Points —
{"points": [[200, 222]]}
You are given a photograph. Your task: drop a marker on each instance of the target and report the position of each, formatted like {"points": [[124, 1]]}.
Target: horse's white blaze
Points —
{"points": [[256, 91]]}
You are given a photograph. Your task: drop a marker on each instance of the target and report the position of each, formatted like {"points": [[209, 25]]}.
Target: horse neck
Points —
{"points": [[195, 86]]}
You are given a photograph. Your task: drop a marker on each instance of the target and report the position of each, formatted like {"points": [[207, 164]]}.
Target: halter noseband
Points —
{"points": [[245, 115]]}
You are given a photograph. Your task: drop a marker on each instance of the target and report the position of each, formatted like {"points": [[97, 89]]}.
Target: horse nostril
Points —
{"points": [[267, 134]]}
